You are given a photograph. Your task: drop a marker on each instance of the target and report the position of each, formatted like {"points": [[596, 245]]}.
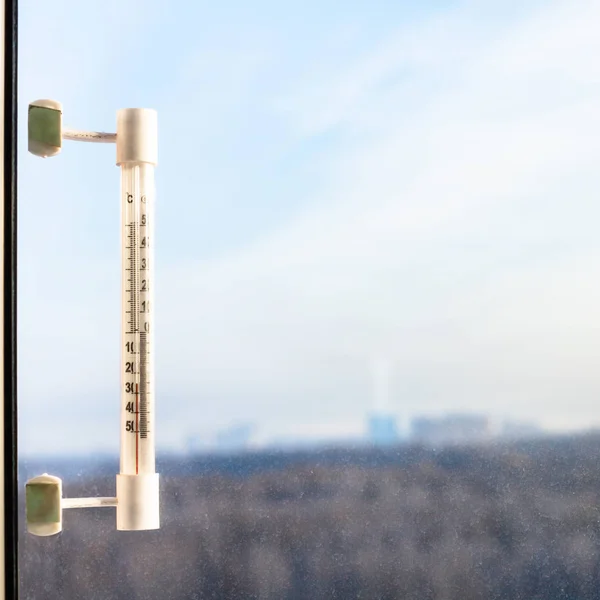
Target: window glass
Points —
{"points": [[376, 291]]}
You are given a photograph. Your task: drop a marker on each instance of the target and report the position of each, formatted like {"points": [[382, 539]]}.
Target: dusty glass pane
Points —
{"points": [[375, 295]]}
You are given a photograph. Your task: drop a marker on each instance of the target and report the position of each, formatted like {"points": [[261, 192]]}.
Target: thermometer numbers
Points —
{"points": [[137, 308], [136, 356]]}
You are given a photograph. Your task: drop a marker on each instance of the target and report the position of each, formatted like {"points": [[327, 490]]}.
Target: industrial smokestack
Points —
{"points": [[381, 426], [380, 373]]}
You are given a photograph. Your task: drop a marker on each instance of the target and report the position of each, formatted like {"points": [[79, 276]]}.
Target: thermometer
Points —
{"points": [[137, 485]]}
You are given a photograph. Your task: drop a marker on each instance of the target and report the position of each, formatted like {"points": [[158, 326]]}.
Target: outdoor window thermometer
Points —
{"points": [[137, 489]]}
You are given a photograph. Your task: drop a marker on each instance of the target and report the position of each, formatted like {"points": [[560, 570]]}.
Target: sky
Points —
{"points": [[341, 185]]}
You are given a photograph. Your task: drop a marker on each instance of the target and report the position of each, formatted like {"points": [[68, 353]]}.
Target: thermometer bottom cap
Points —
{"points": [[137, 502]]}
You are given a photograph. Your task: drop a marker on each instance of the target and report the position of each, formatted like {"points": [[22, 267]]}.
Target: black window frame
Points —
{"points": [[11, 576]]}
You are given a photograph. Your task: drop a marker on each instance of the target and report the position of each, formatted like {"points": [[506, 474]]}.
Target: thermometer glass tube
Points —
{"points": [[137, 349], [137, 482]]}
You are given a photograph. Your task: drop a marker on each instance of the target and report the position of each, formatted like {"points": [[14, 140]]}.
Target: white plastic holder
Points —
{"points": [[137, 495], [136, 502]]}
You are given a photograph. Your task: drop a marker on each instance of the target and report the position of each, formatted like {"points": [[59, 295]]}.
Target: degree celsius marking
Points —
{"points": [[137, 439], [143, 408], [133, 291]]}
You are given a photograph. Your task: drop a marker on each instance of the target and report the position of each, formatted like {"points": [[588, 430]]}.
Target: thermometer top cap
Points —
{"points": [[137, 136]]}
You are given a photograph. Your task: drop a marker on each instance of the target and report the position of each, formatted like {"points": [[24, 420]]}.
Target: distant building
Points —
{"points": [[451, 429], [514, 430], [234, 438], [382, 430], [196, 444]]}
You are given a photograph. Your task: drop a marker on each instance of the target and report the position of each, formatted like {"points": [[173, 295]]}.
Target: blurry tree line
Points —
{"points": [[505, 522]]}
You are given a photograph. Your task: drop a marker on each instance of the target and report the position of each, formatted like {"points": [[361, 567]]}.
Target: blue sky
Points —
{"points": [[338, 182]]}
